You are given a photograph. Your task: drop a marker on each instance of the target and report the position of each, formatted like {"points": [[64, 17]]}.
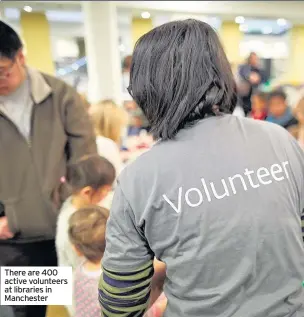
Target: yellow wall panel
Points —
{"points": [[36, 36]]}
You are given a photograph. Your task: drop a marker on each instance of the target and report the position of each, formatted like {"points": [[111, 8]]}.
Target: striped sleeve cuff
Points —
{"points": [[125, 294]]}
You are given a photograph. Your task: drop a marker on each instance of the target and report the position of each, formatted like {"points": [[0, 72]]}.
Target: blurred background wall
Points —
{"points": [[86, 42]]}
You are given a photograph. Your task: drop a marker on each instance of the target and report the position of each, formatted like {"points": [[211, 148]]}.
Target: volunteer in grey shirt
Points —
{"points": [[219, 198]]}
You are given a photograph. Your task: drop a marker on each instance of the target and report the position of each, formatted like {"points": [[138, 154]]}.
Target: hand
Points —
{"points": [[161, 306], [5, 232], [254, 78]]}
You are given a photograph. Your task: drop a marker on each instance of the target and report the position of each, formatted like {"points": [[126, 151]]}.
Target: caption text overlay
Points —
{"points": [[36, 285]]}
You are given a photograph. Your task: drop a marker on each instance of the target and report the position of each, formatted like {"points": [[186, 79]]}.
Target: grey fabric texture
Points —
{"points": [[221, 205]]}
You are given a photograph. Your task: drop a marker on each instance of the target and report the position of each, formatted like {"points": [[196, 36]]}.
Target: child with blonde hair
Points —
{"points": [[110, 121], [87, 228]]}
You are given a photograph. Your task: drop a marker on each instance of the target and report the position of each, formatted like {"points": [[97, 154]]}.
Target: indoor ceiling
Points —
{"points": [[290, 10], [73, 15]]}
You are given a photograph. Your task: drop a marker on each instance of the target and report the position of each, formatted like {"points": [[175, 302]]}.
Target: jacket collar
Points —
{"points": [[40, 89]]}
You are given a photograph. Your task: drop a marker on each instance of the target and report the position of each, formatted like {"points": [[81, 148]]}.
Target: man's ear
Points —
{"points": [[20, 57]]}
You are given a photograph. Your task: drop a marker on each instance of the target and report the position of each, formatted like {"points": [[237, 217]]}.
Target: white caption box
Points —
{"points": [[36, 285]]}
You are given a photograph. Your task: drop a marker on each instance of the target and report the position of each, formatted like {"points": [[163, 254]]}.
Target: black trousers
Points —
{"points": [[246, 104], [29, 254]]}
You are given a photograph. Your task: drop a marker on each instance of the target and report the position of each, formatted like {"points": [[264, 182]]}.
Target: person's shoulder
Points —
{"points": [[259, 125], [59, 86], [269, 132]]}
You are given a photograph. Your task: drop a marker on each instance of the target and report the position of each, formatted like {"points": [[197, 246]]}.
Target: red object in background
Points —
{"points": [[142, 146], [258, 116]]}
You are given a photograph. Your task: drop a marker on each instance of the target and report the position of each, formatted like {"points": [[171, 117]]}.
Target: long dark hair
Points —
{"points": [[179, 75]]}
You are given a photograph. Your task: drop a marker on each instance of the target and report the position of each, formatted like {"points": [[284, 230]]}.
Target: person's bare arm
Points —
{"points": [[157, 280], [5, 232]]}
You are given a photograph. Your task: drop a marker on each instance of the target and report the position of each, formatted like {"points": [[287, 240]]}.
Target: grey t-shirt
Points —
{"points": [[221, 206]]}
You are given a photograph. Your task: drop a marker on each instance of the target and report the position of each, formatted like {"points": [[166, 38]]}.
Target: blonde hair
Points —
{"points": [[109, 119], [87, 227], [300, 106]]}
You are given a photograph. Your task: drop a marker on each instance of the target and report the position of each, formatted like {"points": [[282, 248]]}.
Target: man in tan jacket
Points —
{"points": [[43, 126]]}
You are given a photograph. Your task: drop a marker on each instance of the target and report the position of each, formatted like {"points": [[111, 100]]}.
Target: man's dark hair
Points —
{"points": [[179, 75], [277, 93], [10, 41]]}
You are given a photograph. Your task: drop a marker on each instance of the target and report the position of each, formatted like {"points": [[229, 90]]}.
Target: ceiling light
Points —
{"points": [[239, 20], [243, 28], [145, 15], [281, 22], [28, 9], [267, 30]]}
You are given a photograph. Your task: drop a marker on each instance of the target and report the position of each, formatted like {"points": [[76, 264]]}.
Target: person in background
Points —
{"points": [[259, 106], [90, 180], [297, 130], [43, 127], [138, 121], [278, 110], [86, 232], [126, 67], [250, 77], [109, 121], [225, 219]]}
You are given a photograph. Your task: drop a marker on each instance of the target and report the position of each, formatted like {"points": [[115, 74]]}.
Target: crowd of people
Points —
{"points": [[163, 234], [271, 106]]}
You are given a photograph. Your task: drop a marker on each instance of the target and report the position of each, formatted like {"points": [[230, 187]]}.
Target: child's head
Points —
{"points": [[259, 101], [91, 178], [87, 228], [277, 103], [299, 111], [109, 120]]}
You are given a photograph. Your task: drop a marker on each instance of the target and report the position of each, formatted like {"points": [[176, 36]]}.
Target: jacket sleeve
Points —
{"points": [[78, 127], [125, 284], [244, 72]]}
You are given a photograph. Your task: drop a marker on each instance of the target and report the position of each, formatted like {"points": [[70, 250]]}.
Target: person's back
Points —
{"points": [[218, 199], [230, 231]]}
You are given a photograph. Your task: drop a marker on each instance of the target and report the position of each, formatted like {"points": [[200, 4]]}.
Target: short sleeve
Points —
{"points": [[126, 246]]}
